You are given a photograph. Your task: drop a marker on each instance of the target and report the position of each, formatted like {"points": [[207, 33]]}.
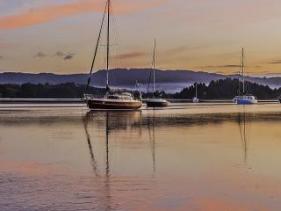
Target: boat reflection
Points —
{"points": [[144, 126], [114, 122], [242, 121]]}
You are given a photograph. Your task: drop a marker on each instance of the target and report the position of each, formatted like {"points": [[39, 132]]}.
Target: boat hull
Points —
{"points": [[195, 100], [246, 102], [114, 105], [155, 103]]}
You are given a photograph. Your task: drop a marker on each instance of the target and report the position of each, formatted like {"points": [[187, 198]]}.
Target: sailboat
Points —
{"points": [[155, 102], [196, 99], [112, 101], [244, 99]]}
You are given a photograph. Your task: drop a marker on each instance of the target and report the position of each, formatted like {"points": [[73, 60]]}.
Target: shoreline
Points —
{"points": [[81, 101]]}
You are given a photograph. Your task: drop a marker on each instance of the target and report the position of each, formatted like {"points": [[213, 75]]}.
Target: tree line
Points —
{"points": [[28, 90], [228, 89], [220, 89]]}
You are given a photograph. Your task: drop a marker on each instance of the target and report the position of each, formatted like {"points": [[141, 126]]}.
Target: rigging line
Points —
{"points": [[152, 72], [149, 80], [243, 68], [97, 47], [154, 66], [108, 43]]}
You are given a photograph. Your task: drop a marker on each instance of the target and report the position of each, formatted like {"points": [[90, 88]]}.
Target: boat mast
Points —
{"points": [[243, 67], [154, 66], [108, 44], [196, 91]]}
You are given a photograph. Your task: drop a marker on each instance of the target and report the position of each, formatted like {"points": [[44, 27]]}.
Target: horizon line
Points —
{"points": [[145, 68]]}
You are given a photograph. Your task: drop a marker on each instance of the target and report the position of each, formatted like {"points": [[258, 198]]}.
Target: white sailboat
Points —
{"points": [[244, 99], [112, 101], [155, 101]]}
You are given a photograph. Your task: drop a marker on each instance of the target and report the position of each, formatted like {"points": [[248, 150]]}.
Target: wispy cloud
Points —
{"points": [[40, 55], [130, 55], [64, 56], [68, 56], [222, 66], [277, 61], [60, 54], [49, 13], [182, 49]]}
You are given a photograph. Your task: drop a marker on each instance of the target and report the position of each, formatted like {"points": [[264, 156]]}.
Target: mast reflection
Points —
{"points": [[242, 121], [110, 121], [90, 146], [151, 134], [106, 203], [107, 131]]}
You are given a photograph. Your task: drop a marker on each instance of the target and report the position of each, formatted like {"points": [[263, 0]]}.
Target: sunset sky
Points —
{"points": [[59, 36]]}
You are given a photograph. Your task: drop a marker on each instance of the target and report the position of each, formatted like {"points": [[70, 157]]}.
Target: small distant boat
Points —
{"points": [[111, 100], [244, 99], [196, 99], [155, 101]]}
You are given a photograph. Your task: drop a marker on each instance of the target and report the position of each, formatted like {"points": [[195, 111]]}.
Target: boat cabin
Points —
{"points": [[122, 96]]}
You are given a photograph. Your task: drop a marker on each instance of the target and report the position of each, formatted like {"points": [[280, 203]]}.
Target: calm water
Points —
{"points": [[207, 157]]}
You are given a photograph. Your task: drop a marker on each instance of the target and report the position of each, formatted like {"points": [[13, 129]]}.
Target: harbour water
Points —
{"points": [[187, 157]]}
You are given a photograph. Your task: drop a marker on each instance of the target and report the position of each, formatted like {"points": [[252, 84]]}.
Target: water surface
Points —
{"points": [[207, 157]]}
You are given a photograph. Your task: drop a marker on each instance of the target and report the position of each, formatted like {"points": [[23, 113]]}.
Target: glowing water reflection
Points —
{"points": [[197, 158]]}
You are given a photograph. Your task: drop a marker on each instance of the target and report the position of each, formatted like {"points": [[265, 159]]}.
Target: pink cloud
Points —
{"points": [[53, 12]]}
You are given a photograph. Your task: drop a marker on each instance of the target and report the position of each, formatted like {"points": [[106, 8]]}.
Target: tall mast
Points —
{"points": [[108, 43], [243, 67], [154, 66], [196, 91]]}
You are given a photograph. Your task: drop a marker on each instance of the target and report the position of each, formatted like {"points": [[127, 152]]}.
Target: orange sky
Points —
{"points": [[59, 36]]}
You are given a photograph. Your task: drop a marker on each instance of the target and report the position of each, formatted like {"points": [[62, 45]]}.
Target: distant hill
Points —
{"points": [[168, 80], [41, 78], [117, 77]]}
